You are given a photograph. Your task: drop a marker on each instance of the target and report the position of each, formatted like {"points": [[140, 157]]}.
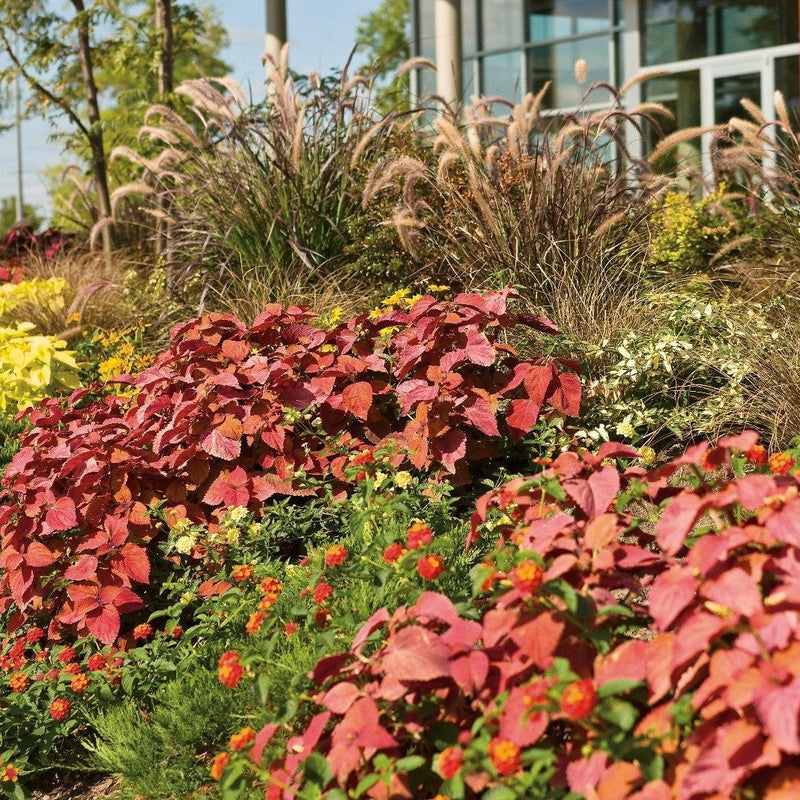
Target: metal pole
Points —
{"points": [[18, 127], [276, 29]]}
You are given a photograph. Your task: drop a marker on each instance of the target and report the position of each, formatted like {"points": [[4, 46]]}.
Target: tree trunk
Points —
{"points": [[167, 56], [166, 60], [95, 129]]}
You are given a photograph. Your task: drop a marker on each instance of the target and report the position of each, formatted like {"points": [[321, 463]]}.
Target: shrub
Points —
{"points": [[689, 233], [22, 241], [694, 374], [553, 206], [231, 415], [260, 200], [17, 298], [562, 676], [32, 367]]}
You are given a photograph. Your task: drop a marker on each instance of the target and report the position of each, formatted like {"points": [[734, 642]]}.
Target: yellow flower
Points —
{"points": [[402, 479], [380, 477], [234, 515], [184, 544], [647, 455], [396, 298], [232, 535]]}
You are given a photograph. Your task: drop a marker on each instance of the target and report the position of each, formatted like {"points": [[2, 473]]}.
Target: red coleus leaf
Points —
{"points": [[328, 666], [734, 589], [566, 396], [584, 774], [695, 635], [481, 414], [677, 519], [376, 621], [434, 606], [224, 441], [211, 588], [416, 435], [595, 494], [262, 739], [229, 489], [524, 718], [359, 729], [539, 637], [479, 349], [103, 623], [83, 568], [722, 763], [470, 671], [136, 562], [784, 524], [416, 655], [340, 697], [449, 448], [61, 516], [670, 594], [522, 417], [415, 391], [357, 399], [39, 555], [121, 597], [778, 708], [626, 662], [601, 531]]}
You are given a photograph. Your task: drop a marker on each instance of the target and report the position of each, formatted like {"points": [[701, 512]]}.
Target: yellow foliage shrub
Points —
{"points": [[32, 367]]}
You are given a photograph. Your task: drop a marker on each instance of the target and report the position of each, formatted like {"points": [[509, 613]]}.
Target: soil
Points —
{"points": [[73, 786]]}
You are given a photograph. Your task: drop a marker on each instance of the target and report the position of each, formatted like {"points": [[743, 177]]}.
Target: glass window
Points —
{"points": [[426, 82], [469, 78], [554, 19], [787, 81], [469, 27], [501, 75], [679, 29], [501, 24], [681, 95], [729, 91], [426, 33], [556, 63]]}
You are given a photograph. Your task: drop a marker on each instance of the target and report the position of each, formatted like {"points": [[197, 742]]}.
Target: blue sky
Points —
{"points": [[321, 35]]}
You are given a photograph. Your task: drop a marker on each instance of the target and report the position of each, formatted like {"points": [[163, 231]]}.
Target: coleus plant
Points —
{"points": [[231, 415], [599, 657]]}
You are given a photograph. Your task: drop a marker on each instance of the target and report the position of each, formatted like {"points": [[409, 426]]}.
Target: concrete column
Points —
{"points": [[276, 28], [447, 22]]}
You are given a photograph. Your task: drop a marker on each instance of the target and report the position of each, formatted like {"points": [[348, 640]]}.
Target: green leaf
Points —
{"points": [[618, 712], [366, 783], [500, 793], [317, 769], [617, 686], [616, 611], [262, 686], [409, 762]]}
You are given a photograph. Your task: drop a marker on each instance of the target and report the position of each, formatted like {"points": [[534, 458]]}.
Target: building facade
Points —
{"points": [[716, 51]]}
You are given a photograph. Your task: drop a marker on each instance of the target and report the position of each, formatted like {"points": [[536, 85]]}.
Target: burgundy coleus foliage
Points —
{"points": [[214, 424], [707, 667], [21, 241], [431, 669]]}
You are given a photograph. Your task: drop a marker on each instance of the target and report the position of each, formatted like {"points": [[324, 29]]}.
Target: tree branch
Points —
{"points": [[39, 89]]}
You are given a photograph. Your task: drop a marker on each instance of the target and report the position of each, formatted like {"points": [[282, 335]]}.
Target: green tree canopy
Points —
{"points": [[384, 33], [50, 44], [8, 215]]}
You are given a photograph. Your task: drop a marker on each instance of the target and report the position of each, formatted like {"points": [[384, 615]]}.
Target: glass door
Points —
{"points": [[724, 85]]}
